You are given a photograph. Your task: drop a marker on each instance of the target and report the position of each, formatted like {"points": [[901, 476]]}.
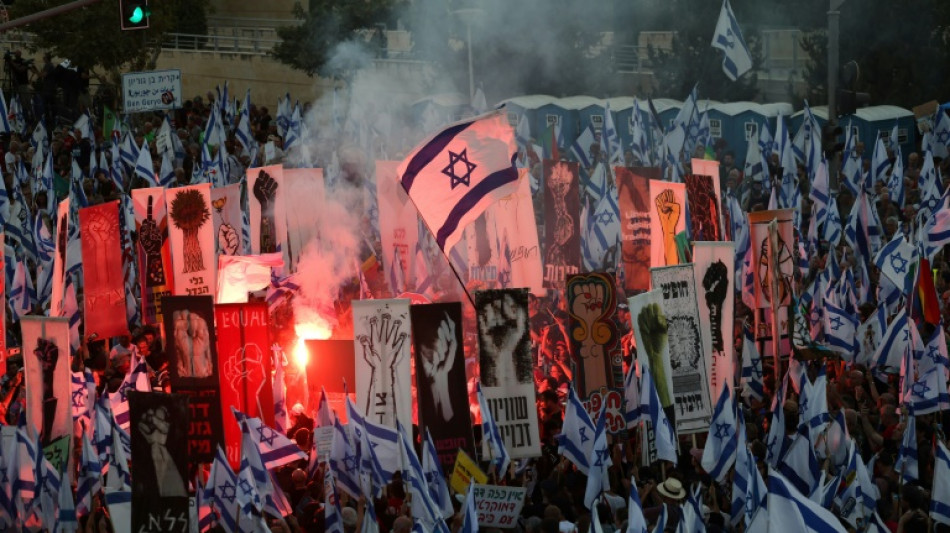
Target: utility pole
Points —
{"points": [[834, 16]]}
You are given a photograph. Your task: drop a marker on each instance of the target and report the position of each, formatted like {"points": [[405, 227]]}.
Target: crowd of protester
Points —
{"points": [[869, 401]]}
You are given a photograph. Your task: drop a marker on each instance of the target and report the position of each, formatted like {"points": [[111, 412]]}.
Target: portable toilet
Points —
{"points": [[737, 122], [880, 120], [621, 107]]}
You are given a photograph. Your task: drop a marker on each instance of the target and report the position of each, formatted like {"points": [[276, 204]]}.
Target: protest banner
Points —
{"points": [[667, 203], [244, 363], [595, 343], [498, 506], [705, 217], [398, 225], [154, 250], [47, 379], [465, 471], [759, 237], [266, 192], [689, 373], [159, 444], [519, 261], [306, 208], [710, 168], [104, 285], [192, 240], [226, 219], [562, 239], [633, 195], [191, 350], [151, 91], [441, 388], [59, 260], [381, 331], [713, 264]]}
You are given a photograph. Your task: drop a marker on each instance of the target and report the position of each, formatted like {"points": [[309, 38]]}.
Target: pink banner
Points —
{"points": [[104, 302]]}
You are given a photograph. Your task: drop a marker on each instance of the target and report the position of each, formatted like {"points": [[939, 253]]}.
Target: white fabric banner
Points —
{"points": [[713, 263], [191, 234], [47, 377], [517, 231], [381, 338], [241, 274], [303, 206], [398, 223]]}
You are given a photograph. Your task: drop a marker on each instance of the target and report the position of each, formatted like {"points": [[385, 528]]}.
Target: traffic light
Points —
{"points": [[848, 99], [831, 140], [134, 14]]}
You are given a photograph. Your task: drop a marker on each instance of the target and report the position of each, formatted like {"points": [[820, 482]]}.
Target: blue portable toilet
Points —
{"points": [[880, 119], [667, 109], [587, 110], [621, 107], [533, 106]]}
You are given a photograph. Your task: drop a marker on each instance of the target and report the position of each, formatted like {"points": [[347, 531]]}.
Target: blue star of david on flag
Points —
{"points": [[933, 353], [584, 437], [605, 218], [349, 462], [267, 435], [450, 169], [78, 398], [836, 323], [898, 263], [602, 454], [919, 388], [228, 491], [943, 136], [723, 431]]}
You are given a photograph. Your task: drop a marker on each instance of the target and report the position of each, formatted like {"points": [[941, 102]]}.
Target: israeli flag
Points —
{"points": [[720, 451], [728, 38], [576, 439]]}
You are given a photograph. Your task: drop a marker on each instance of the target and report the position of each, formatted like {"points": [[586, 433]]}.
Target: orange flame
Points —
{"points": [[305, 331]]}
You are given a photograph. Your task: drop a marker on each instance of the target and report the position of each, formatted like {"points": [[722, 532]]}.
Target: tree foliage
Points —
{"points": [[91, 36], [901, 49], [313, 46]]}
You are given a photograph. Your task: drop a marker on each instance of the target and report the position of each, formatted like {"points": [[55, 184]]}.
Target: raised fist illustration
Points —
{"points": [[150, 239], [154, 426], [243, 370], [588, 307], [228, 240], [653, 333], [716, 284], [501, 327], [265, 190], [668, 209], [437, 360], [382, 351]]}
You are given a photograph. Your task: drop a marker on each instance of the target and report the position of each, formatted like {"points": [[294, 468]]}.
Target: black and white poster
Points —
{"points": [[381, 331], [713, 266], [506, 367], [687, 363], [159, 433], [192, 361], [441, 389]]}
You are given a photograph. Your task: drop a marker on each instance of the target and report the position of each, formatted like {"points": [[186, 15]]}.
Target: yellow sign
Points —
{"points": [[465, 472]]}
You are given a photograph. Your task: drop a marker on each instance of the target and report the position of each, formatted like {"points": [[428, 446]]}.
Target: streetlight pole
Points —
{"points": [[834, 15], [468, 16]]}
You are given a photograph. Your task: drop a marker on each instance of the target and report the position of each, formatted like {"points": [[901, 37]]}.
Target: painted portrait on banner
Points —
{"points": [[381, 331], [562, 243], [442, 396], [667, 221], [154, 252], [191, 349], [713, 264], [688, 365], [191, 234], [633, 195], [159, 445], [598, 367], [506, 367]]}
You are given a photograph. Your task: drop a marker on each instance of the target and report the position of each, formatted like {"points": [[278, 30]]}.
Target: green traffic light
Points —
{"points": [[138, 14]]}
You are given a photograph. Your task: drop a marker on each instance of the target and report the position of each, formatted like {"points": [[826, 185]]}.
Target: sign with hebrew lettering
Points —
{"points": [[104, 290], [154, 251], [159, 440], [151, 91], [689, 377], [190, 347], [498, 506], [713, 264], [191, 234], [381, 331], [562, 207], [516, 414]]}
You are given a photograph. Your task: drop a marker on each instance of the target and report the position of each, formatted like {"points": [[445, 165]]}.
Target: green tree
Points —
{"points": [[901, 49], [91, 36], [313, 45]]}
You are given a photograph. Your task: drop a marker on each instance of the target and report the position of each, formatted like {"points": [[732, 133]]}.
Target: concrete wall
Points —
{"points": [[269, 9]]}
